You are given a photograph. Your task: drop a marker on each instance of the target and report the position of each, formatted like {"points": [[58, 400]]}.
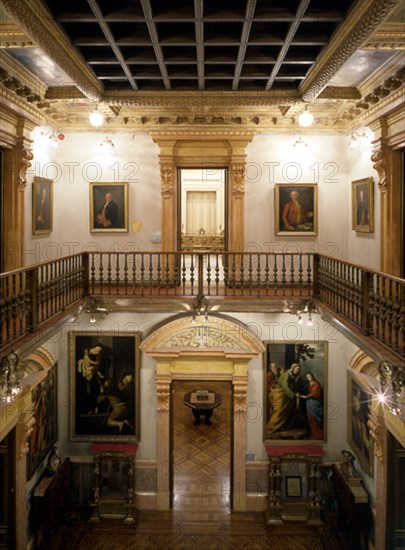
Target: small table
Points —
{"points": [[202, 404]]}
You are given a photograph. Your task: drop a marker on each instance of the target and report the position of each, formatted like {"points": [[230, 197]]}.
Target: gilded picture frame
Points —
{"points": [[358, 413], [45, 430], [104, 386], [108, 207], [295, 398], [42, 206], [363, 205], [296, 209]]}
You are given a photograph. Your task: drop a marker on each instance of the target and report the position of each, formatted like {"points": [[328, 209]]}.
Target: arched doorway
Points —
{"points": [[214, 349]]}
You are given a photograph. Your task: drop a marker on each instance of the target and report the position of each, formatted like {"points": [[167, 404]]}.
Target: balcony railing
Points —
{"points": [[371, 301]]}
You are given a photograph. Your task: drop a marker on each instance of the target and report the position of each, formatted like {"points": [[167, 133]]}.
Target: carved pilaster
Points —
{"points": [[239, 395], [163, 393], [378, 158], [23, 156], [377, 428], [27, 421], [167, 179], [238, 178]]}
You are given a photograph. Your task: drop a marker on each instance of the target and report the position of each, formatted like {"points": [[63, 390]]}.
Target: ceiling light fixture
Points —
{"points": [[306, 118], [96, 118], [95, 306], [9, 378]]}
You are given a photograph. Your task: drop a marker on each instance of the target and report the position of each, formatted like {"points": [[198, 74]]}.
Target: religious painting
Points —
{"points": [[44, 431], [104, 386], [42, 206], [363, 205], [359, 408], [293, 487], [108, 207], [295, 391], [296, 209]]}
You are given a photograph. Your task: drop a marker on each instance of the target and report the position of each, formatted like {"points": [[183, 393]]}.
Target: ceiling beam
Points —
{"points": [[247, 25], [147, 11], [199, 35], [288, 39], [110, 38]]}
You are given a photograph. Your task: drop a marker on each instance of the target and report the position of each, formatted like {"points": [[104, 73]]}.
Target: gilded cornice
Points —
{"points": [[39, 25], [360, 23], [12, 37], [15, 69], [389, 36]]}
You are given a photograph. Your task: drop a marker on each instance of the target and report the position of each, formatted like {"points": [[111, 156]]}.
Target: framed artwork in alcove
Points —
{"points": [[104, 386], [44, 431], [295, 391], [359, 408], [296, 209], [108, 207], [42, 206], [363, 205]]}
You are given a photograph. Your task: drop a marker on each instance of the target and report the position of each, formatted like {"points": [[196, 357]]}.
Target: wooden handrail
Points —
{"points": [[372, 300]]}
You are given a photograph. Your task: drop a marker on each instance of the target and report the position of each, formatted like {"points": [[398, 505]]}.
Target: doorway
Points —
{"points": [[201, 478], [202, 216], [7, 491]]}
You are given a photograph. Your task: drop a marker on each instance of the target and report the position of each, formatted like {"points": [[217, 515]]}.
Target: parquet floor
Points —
{"points": [[201, 452], [201, 518]]}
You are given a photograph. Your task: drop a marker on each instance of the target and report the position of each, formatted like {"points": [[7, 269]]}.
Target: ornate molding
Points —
{"points": [[239, 394], [37, 22], [12, 37], [377, 430], [24, 156], [378, 158], [163, 393], [359, 25], [237, 172], [167, 179], [27, 422]]}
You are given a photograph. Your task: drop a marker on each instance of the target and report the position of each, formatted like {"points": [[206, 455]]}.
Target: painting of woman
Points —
{"points": [[314, 406]]}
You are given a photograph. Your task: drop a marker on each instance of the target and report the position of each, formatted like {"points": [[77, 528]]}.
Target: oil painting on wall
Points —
{"points": [[359, 402], [44, 431], [295, 391], [104, 386], [42, 206], [296, 209]]}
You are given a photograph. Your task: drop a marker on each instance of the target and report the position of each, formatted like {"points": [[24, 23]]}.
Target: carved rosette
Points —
{"points": [[380, 166], [163, 394], [167, 179], [376, 426], [238, 178], [28, 422]]}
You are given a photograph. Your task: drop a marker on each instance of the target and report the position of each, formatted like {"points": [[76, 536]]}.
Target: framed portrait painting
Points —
{"points": [[296, 209], [359, 408], [108, 207], [363, 205], [295, 391], [44, 432], [42, 206], [104, 386]]}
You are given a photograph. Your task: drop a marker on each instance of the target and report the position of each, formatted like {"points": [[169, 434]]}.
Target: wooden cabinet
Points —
{"points": [[50, 505], [354, 510]]}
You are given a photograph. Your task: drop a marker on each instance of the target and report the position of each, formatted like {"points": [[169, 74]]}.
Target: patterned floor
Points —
{"points": [[173, 531], [201, 452]]}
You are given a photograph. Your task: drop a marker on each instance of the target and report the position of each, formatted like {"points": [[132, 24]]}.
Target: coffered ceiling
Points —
{"points": [[148, 60]]}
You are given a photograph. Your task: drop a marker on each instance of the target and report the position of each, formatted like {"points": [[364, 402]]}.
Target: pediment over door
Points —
{"points": [[212, 335]]}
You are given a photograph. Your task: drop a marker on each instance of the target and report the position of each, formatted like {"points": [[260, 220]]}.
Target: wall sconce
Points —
{"points": [[96, 118], [95, 306], [300, 143], [9, 378], [200, 306], [52, 139], [306, 118], [107, 145], [392, 383], [354, 139]]}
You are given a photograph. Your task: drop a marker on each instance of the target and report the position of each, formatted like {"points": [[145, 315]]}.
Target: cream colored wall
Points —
{"points": [[270, 159], [275, 327], [75, 163]]}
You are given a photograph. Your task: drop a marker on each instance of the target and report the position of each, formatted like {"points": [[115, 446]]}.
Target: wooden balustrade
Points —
{"points": [[373, 301]]}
